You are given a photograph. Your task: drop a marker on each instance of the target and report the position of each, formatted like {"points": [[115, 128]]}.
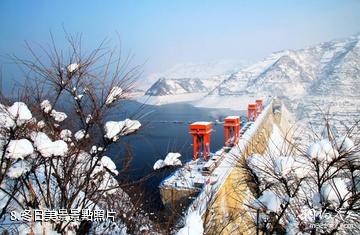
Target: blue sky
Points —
{"points": [[165, 33]]}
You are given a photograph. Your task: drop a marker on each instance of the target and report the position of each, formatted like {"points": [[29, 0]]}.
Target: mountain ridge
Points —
{"points": [[327, 68]]}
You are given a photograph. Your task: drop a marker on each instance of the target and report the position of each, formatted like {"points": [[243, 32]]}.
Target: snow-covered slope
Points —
{"points": [[165, 86], [203, 70], [327, 68], [331, 67], [311, 81]]}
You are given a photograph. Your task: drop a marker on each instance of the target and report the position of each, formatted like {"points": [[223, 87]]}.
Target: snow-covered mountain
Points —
{"points": [[327, 68], [168, 86], [311, 81], [205, 70]]}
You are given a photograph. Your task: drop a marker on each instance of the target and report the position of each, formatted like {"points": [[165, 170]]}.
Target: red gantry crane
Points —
{"points": [[260, 105], [252, 112], [201, 138], [232, 130]]}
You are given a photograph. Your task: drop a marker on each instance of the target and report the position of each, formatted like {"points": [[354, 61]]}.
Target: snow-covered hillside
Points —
{"points": [[273, 72], [203, 70], [312, 81], [327, 68], [165, 86], [330, 68]]}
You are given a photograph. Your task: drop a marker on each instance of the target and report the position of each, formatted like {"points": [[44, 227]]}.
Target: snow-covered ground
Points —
{"points": [[194, 225], [343, 110]]}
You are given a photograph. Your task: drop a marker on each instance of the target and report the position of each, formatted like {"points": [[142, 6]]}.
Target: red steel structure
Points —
{"points": [[252, 112], [201, 138], [232, 130], [260, 105]]}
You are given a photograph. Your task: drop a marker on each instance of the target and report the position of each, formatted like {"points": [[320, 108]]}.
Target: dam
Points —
{"points": [[207, 183]]}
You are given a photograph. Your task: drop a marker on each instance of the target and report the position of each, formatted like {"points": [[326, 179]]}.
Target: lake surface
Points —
{"points": [[164, 129]]}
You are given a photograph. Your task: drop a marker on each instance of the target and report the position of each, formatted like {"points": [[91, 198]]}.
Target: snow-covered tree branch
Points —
{"points": [[54, 142], [307, 188]]}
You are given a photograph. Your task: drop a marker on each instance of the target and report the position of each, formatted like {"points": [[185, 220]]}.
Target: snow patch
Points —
{"points": [[345, 144], [5, 120], [20, 112], [46, 106], [258, 164], [41, 124], [19, 149], [269, 200], [109, 164], [89, 118], [283, 165], [18, 169], [58, 116], [334, 191], [73, 67], [193, 225], [121, 128], [159, 164], [322, 151], [66, 135], [171, 159], [114, 94], [79, 135], [78, 97], [48, 148]]}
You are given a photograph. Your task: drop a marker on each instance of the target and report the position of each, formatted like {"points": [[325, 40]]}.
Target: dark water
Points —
{"points": [[164, 129]]}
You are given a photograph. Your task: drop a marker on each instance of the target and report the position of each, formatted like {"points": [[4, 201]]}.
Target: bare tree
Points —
{"points": [[54, 141]]}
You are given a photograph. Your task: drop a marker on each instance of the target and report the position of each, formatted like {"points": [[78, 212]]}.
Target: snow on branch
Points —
{"points": [[109, 164], [20, 112], [321, 177], [66, 135], [114, 129], [335, 191], [18, 169], [322, 151], [19, 149], [80, 134], [71, 68], [6, 121], [58, 116], [114, 95], [268, 200], [41, 167], [171, 159], [46, 106], [49, 148]]}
